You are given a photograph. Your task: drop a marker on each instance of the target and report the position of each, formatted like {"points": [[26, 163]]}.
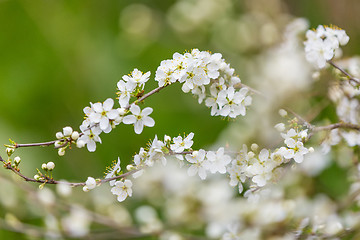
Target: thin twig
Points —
{"points": [[146, 96], [19, 145], [351, 78], [336, 125]]}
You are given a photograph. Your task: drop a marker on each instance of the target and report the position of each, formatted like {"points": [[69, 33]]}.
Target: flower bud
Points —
{"points": [[80, 144], [130, 167], [44, 166], [59, 135], [58, 143], [17, 160], [167, 138], [37, 177], [90, 183], [251, 154], [67, 131], [280, 127], [50, 166], [303, 134], [10, 151], [283, 113], [311, 149], [254, 147], [61, 152], [75, 135], [86, 189]]}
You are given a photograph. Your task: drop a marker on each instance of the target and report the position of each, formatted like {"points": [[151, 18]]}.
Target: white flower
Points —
{"points": [[233, 103], [89, 137], [199, 163], [139, 118], [103, 113], [297, 150], [164, 73], [124, 93], [156, 152], [122, 190], [193, 77], [137, 78], [236, 176], [218, 161], [181, 144], [115, 169]]}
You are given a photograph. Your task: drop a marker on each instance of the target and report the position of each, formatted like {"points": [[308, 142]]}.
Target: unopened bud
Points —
{"points": [[251, 154], [311, 149], [80, 143], [130, 167], [167, 138], [50, 166], [17, 160], [59, 135], [254, 147], [37, 177], [86, 189], [280, 127], [44, 167], [303, 134], [283, 113], [61, 152], [58, 144], [75, 135], [67, 131], [9, 151]]}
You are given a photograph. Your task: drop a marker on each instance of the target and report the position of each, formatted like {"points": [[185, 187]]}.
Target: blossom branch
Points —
{"points": [[336, 125], [146, 96], [351, 78], [48, 180]]}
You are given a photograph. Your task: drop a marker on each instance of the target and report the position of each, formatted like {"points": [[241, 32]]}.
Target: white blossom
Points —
{"points": [[122, 189], [218, 160], [181, 144], [90, 137], [113, 171], [139, 118], [198, 163], [103, 113], [136, 78]]}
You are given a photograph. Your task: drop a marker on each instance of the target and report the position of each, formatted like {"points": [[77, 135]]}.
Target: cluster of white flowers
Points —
{"points": [[260, 167], [322, 43], [102, 117], [347, 104], [196, 70], [208, 77], [265, 166]]}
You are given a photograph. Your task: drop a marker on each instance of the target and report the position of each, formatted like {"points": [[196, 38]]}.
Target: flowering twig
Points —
{"points": [[336, 125], [351, 78], [48, 180], [146, 96]]}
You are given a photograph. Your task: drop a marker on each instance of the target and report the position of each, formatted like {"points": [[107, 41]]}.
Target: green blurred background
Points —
{"points": [[57, 56]]}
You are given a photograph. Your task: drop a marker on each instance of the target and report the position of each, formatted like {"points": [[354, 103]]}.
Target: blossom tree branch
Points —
{"points": [[351, 78]]}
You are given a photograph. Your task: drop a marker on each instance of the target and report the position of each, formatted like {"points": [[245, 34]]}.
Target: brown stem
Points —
{"points": [[351, 78], [146, 96], [336, 125], [19, 145]]}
